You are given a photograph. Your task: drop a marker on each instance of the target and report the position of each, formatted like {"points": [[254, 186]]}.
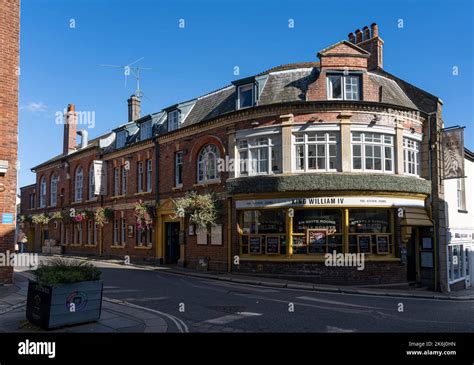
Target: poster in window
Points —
{"points": [[273, 245], [201, 236], [216, 234], [383, 246], [255, 245], [130, 230], [364, 242], [317, 240], [426, 243], [426, 259]]}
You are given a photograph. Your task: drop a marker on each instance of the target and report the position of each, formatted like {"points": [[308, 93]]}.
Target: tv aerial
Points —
{"points": [[129, 70]]}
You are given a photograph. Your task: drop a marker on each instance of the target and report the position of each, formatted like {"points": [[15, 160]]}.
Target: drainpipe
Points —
{"points": [[435, 243]]}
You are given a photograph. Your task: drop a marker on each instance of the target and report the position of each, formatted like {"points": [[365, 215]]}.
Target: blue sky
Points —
{"points": [[59, 64]]}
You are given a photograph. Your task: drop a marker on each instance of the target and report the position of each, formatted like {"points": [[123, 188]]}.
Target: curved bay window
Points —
{"points": [[371, 231], [317, 231], [372, 152], [316, 151], [207, 164], [262, 232], [260, 155]]}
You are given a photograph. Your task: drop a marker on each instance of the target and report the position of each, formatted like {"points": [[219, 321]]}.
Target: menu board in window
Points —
{"points": [[364, 243], [273, 245], [317, 239], [383, 247], [255, 245]]}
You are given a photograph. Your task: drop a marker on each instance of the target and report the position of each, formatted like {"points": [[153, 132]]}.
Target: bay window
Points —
{"points": [[372, 152], [316, 151], [259, 155]]}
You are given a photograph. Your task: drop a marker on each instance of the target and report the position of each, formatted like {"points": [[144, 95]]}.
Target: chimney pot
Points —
{"points": [[375, 30], [351, 37], [366, 31], [358, 35]]}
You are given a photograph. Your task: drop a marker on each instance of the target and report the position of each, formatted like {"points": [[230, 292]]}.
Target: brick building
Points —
{"points": [[336, 156], [9, 71]]}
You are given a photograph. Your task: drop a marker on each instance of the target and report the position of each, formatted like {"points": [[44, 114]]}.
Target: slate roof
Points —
{"points": [[391, 92]]}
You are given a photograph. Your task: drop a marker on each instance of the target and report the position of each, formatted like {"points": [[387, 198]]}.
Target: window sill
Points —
{"points": [[77, 202], [462, 211], [118, 196], [143, 247], [89, 246], [91, 200], [177, 188], [117, 246], [207, 183], [142, 193], [74, 244]]}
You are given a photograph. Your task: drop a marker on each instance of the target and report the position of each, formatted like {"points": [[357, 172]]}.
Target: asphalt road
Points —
{"points": [[216, 306]]}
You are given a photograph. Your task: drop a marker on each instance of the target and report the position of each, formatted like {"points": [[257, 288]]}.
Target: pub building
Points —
{"points": [[331, 156]]}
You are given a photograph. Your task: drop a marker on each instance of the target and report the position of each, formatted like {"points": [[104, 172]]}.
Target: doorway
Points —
{"points": [[172, 242], [411, 258]]}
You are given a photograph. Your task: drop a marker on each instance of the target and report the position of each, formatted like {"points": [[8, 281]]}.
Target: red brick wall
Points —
{"points": [[9, 61]]}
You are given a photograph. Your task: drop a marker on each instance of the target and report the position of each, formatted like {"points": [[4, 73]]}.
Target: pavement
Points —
{"points": [[116, 315], [265, 281]]}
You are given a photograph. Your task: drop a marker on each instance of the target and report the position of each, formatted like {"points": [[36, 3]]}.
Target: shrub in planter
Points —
{"points": [[64, 292]]}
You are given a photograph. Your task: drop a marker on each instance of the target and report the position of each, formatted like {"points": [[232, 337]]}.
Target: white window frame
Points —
{"points": [[173, 120], [42, 200], [91, 182], [178, 169], [79, 184], [414, 150], [145, 130], [252, 86], [116, 181], [149, 174], [124, 176], [250, 145], [461, 194], [363, 143], [121, 139], [53, 198], [344, 84], [202, 163], [140, 176], [306, 143]]}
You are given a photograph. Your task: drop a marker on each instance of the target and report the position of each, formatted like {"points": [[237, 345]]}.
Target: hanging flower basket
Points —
{"points": [[41, 219], [103, 216], [200, 210], [143, 215], [57, 216]]}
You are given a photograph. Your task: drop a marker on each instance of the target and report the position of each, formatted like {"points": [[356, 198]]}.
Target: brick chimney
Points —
{"points": [[70, 127], [370, 41], [134, 108]]}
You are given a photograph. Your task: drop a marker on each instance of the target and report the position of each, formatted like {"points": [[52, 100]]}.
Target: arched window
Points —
{"points": [[78, 184], [91, 181], [42, 192], [207, 163], [53, 200]]}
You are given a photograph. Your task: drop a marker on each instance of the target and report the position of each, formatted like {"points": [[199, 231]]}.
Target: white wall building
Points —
{"points": [[459, 196]]}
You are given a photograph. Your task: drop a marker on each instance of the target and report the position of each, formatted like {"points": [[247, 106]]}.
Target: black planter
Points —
{"points": [[64, 304]]}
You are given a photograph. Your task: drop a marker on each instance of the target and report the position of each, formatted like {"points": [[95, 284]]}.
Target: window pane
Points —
{"points": [[245, 96], [369, 221], [335, 87]]}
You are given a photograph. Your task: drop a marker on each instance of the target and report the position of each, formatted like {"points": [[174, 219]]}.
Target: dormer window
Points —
{"points": [[245, 96], [145, 130], [121, 139], [343, 87], [173, 120]]}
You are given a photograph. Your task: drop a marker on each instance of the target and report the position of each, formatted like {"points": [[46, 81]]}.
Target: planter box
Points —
{"points": [[64, 304]]}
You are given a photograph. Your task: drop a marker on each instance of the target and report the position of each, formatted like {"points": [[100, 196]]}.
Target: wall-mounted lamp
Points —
{"points": [[412, 130], [377, 118]]}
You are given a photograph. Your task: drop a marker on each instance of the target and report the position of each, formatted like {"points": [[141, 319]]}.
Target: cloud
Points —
{"points": [[35, 107]]}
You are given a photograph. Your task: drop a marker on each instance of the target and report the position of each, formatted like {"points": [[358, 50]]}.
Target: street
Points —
{"points": [[206, 305]]}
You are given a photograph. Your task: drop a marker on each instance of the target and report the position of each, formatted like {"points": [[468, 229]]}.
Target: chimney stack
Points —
{"points": [[70, 127], [370, 41], [133, 108], [351, 37]]}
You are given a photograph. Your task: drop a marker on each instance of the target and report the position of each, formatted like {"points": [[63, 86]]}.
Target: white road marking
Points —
{"points": [[337, 329], [144, 299], [238, 285], [338, 303], [232, 317]]}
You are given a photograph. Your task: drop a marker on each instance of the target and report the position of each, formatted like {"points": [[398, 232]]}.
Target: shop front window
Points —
{"points": [[456, 262], [370, 231], [263, 232], [317, 231]]}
